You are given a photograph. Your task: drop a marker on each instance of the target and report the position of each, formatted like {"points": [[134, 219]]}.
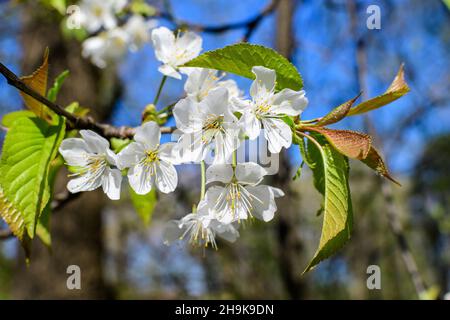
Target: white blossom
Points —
{"points": [[201, 228], [150, 162], [108, 46], [201, 81], [138, 30], [241, 196], [175, 50], [209, 124], [97, 14], [267, 108], [92, 160]]}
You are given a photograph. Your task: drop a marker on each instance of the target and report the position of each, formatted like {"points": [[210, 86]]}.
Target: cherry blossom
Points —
{"points": [[93, 163], [149, 162], [241, 196], [267, 109], [175, 50]]}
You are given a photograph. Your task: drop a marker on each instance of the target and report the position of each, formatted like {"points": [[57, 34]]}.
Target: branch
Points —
{"points": [[106, 130], [6, 234], [249, 25]]}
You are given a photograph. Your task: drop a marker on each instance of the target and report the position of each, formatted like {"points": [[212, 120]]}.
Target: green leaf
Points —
{"points": [[58, 5], [54, 90], [77, 110], [330, 171], [43, 227], [38, 82], [142, 8], [144, 204], [375, 162], [240, 58], [305, 156], [298, 173], [118, 145], [9, 118], [30, 145], [397, 89], [338, 113], [352, 144]]}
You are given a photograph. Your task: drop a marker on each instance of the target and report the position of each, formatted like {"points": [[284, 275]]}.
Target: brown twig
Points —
{"points": [[248, 25], [75, 122], [6, 234]]}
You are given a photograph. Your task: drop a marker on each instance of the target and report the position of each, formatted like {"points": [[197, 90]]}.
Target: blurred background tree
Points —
{"points": [[403, 230]]}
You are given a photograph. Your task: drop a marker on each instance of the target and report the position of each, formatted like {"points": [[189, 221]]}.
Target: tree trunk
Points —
{"points": [[77, 228]]}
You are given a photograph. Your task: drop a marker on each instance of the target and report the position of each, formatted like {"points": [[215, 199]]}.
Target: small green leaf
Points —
{"points": [[338, 113], [58, 5], [142, 8], [305, 156], [54, 90], [118, 145], [240, 58], [77, 110], [298, 173], [375, 162], [397, 89], [330, 173], [144, 204]]}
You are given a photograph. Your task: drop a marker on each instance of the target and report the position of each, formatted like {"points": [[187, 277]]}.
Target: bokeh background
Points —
{"points": [[403, 230]]}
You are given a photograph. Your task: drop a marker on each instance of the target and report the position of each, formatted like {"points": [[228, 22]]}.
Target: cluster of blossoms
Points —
{"points": [[111, 41], [214, 118]]}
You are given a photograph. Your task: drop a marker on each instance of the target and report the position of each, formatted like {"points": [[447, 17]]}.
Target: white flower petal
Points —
{"points": [[232, 87], [251, 125], [74, 152], [277, 133], [264, 206], [131, 155], [166, 177], [241, 105], [289, 102], [190, 148], [111, 183], [140, 179], [169, 71], [164, 43], [85, 182], [186, 113], [167, 153], [225, 143], [249, 173], [277, 192], [225, 231], [216, 102], [96, 143], [190, 44], [149, 135], [264, 83], [112, 158], [219, 172]]}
